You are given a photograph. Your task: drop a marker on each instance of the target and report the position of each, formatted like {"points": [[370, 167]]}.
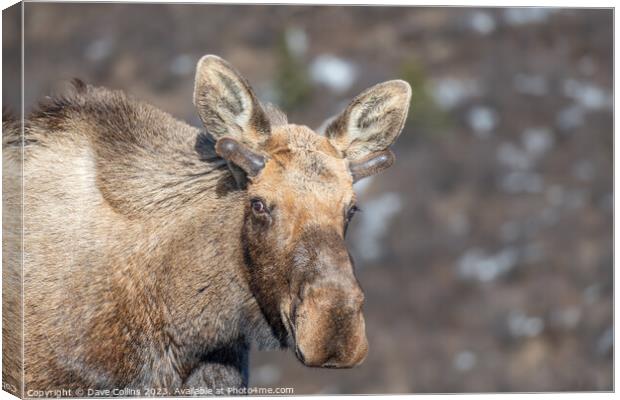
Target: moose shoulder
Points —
{"points": [[155, 253]]}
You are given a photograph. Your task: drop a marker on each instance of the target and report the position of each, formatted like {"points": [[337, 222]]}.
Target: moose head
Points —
{"points": [[300, 199]]}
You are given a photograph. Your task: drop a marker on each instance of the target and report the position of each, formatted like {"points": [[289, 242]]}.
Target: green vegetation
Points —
{"points": [[424, 114], [292, 82]]}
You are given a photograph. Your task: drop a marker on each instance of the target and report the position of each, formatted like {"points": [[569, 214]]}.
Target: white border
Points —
{"points": [[508, 3]]}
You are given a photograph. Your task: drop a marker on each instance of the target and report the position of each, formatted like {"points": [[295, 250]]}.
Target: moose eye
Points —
{"points": [[351, 212], [258, 206]]}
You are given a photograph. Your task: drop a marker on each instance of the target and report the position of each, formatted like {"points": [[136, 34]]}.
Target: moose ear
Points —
{"points": [[226, 103], [372, 121]]}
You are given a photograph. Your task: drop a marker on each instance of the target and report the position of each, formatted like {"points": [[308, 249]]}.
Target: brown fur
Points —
{"points": [[145, 263], [12, 229]]}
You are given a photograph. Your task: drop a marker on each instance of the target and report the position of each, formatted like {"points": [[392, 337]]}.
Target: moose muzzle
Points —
{"points": [[329, 325]]}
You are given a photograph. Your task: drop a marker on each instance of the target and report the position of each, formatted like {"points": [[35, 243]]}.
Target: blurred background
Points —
{"points": [[486, 251]]}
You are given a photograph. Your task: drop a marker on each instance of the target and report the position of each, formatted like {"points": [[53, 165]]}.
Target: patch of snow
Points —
{"points": [[182, 65], [335, 73], [482, 120], [375, 219], [464, 361], [527, 15], [296, 41], [482, 22], [605, 342], [450, 92], [513, 157], [588, 95], [571, 117], [534, 85], [520, 325], [99, 49], [537, 141], [476, 264], [522, 182]]}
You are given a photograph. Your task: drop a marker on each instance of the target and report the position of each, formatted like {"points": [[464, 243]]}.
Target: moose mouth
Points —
{"points": [[291, 340], [289, 325]]}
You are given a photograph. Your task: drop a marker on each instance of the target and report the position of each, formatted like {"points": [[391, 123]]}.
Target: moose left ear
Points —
{"points": [[227, 104], [372, 121]]}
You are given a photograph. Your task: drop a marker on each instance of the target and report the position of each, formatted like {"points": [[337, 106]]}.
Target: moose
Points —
{"points": [[156, 253]]}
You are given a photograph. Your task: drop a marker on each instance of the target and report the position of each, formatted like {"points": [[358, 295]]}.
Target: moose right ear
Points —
{"points": [[372, 121], [226, 103]]}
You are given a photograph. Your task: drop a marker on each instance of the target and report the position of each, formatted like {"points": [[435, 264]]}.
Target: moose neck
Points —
{"points": [[207, 300]]}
